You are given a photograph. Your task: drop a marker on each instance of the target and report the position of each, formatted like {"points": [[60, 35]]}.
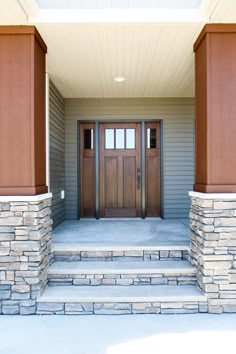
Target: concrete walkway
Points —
{"points": [[140, 334], [151, 231]]}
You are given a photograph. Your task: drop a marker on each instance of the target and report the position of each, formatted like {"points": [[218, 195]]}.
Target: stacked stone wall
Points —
{"points": [[213, 249], [25, 252]]}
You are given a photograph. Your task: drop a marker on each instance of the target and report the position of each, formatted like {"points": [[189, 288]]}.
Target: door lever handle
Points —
{"points": [[138, 181]]}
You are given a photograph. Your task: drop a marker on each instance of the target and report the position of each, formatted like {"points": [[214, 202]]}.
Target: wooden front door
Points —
{"points": [[120, 170], [111, 182]]}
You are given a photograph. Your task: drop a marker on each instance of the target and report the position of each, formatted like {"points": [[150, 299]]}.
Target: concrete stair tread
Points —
{"points": [[153, 293], [154, 267], [142, 246]]}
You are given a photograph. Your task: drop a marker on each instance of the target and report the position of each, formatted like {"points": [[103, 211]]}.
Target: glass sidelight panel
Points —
{"points": [[120, 138], [151, 138], [109, 139], [88, 139], [130, 138]]}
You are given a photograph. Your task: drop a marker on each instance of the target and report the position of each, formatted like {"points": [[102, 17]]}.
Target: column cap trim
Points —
{"points": [[31, 30], [221, 196], [28, 198], [214, 28]]}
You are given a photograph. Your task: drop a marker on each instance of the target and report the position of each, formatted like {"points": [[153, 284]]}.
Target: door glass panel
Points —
{"points": [[88, 139], [151, 138], [130, 138], [109, 139], [120, 138]]}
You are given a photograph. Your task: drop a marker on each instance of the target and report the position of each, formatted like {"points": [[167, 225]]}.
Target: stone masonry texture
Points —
{"points": [[121, 279], [120, 308], [213, 250], [120, 256], [25, 254]]}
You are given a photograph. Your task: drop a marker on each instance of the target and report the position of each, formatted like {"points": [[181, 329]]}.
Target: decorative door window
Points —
{"points": [[119, 139]]}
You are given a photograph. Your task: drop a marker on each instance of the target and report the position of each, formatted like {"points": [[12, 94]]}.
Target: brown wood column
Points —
{"points": [[22, 111], [215, 65]]}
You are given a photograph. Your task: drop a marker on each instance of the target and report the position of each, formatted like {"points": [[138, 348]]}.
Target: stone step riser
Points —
{"points": [[119, 308], [121, 279], [119, 256]]}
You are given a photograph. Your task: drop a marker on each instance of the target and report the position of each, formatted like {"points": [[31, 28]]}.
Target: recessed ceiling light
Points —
{"points": [[119, 78]]}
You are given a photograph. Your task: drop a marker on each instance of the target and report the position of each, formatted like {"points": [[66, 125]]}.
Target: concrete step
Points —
{"points": [[69, 252], [121, 300], [121, 273]]}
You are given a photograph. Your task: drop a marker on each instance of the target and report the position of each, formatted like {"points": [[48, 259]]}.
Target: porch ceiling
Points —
{"points": [[156, 59]]}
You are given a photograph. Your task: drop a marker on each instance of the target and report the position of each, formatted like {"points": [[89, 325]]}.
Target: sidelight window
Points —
{"points": [[151, 138], [88, 139]]}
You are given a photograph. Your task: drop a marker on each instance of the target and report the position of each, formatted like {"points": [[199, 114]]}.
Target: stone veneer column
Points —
{"points": [[25, 251], [213, 248]]}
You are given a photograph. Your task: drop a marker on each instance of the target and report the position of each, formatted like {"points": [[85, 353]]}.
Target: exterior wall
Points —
{"points": [[25, 251], [178, 144], [57, 153]]}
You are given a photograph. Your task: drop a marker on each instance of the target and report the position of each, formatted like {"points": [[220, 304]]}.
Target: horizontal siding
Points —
{"points": [[57, 152], [178, 144]]}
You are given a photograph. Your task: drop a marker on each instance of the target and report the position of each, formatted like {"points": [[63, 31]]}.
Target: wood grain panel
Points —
{"points": [[120, 213], [22, 111], [216, 109], [88, 202], [39, 114], [129, 178], [152, 187], [201, 113], [120, 186], [111, 182]]}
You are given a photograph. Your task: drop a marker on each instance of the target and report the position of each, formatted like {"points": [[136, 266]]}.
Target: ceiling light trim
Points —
{"points": [[119, 79]]}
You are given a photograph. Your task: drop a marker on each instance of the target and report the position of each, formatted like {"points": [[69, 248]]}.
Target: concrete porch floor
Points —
{"points": [[128, 232]]}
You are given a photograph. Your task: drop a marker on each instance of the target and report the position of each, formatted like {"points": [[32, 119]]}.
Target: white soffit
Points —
{"points": [[115, 4], [156, 59], [77, 11]]}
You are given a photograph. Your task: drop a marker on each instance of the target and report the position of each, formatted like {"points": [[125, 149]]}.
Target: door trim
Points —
{"points": [[97, 174], [143, 171], [97, 122]]}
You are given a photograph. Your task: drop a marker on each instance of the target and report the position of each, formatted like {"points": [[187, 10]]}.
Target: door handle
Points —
{"points": [[138, 181]]}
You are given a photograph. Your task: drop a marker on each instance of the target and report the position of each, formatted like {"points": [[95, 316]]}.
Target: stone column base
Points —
{"points": [[213, 248], [25, 251]]}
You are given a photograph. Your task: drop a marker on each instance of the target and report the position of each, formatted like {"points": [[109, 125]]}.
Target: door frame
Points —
{"points": [[97, 122]]}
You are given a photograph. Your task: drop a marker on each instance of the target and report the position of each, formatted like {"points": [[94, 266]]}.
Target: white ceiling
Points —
{"points": [[84, 59], [156, 59], [117, 4]]}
